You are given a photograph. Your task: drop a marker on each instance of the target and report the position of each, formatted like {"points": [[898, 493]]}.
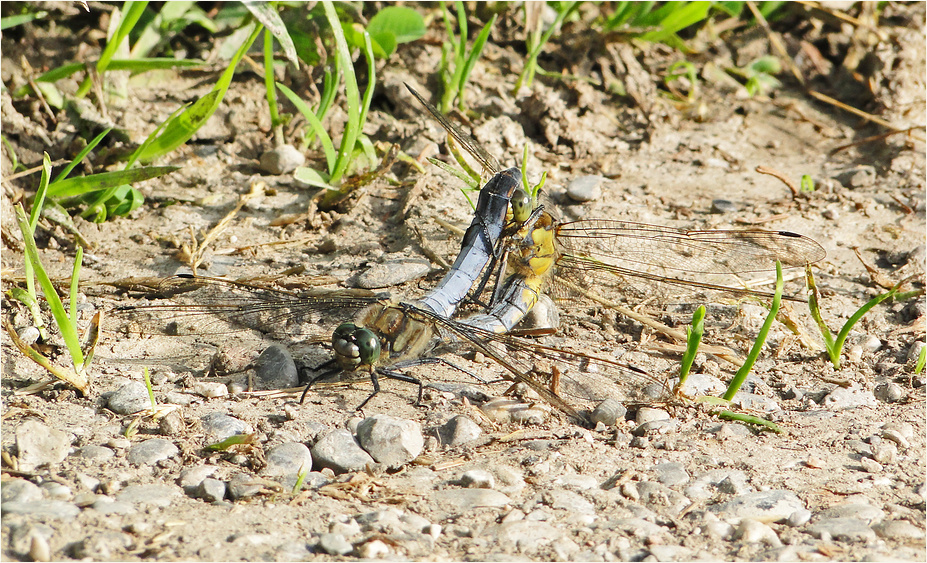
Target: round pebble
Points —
{"points": [[723, 206], [339, 452], [38, 445], [218, 426], [334, 544], [210, 389], [288, 461], [585, 188], [890, 392], [477, 479], [752, 531], [609, 412], [151, 451], [458, 431], [20, 490], [275, 369], [390, 441], [842, 529], [130, 398], [282, 160], [210, 490]]}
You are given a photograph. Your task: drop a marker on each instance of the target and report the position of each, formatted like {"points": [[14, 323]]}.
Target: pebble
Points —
{"points": [[339, 452], [890, 392], [282, 160], [842, 529], [775, 505], [578, 482], [464, 500], [700, 384], [885, 452], [108, 505], [191, 477], [848, 398], [752, 531], [95, 453], [19, 490], [655, 428], [38, 445], [288, 461], [275, 369], [799, 518], [458, 431], [671, 474], [568, 500], [899, 530], [210, 490], [39, 549], [373, 549], [157, 495], [504, 410], [242, 485], [870, 465], [754, 402], [657, 497], [57, 491], [103, 546], [585, 188], [50, 509], [130, 398], [896, 436], [609, 412], [210, 389], [865, 512], [171, 424], [914, 352], [389, 440], [29, 334], [218, 426], [728, 431], [334, 544], [392, 272], [151, 451], [648, 414], [527, 535], [705, 485], [723, 206], [477, 479]]}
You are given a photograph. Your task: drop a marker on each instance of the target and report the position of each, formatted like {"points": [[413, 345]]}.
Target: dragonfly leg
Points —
{"points": [[426, 361], [391, 374], [327, 373]]}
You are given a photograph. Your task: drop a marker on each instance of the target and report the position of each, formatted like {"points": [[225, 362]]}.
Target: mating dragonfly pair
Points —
{"points": [[524, 246]]}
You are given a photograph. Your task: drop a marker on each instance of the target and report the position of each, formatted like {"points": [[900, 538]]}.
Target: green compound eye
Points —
{"points": [[368, 345], [521, 205]]}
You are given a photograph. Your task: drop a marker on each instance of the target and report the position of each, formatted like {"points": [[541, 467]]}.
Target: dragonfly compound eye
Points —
{"points": [[521, 205], [368, 345]]}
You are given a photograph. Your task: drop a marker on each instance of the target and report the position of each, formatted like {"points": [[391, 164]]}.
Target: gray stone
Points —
{"points": [[585, 188], [657, 497], [671, 474], [899, 530], [29, 334], [155, 495], [275, 369], [885, 452], [20, 490], [799, 518], [870, 465], [339, 452], [172, 424], [463, 500], [764, 506], [848, 398], [243, 485], [393, 272], [705, 485], [754, 402], [151, 451], [752, 531], [527, 536], [896, 436], [842, 529], [56, 491], [38, 445], [334, 544], [191, 477], [391, 441], [282, 160], [108, 505], [864, 512], [130, 398], [890, 392], [649, 414], [218, 426], [723, 206], [95, 453], [477, 479], [569, 501], [699, 384], [609, 412], [287, 462], [655, 428], [210, 389], [458, 431], [210, 490], [51, 509]]}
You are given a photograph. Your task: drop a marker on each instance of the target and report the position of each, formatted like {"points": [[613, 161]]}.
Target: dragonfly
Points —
{"points": [[604, 253]]}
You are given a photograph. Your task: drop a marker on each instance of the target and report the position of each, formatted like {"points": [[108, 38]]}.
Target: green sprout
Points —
{"points": [[456, 62], [693, 340]]}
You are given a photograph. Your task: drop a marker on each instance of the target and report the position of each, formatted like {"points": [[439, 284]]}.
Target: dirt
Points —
{"points": [[665, 163]]}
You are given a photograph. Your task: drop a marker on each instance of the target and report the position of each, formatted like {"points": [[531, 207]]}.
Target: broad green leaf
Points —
{"points": [[405, 24], [83, 184], [312, 177]]}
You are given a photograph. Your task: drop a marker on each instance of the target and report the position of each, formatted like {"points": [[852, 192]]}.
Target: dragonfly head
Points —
{"points": [[355, 346], [522, 205]]}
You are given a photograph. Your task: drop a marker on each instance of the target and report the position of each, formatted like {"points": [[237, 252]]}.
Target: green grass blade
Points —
{"points": [[921, 360], [132, 11], [266, 13], [269, 79], [693, 341], [154, 405], [851, 322], [39, 201], [815, 309], [314, 123], [51, 296], [72, 291], [749, 419], [744, 370], [80, 185], [371, 83], [179, 129], [19, 19], [351, 91], [81, 155], [475, 53]]}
